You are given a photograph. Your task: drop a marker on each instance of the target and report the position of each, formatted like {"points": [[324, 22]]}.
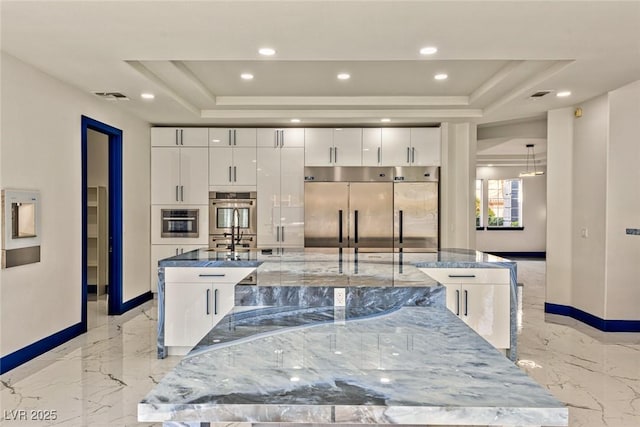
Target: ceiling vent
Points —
{"points": [[112, 96], [540, 94]]}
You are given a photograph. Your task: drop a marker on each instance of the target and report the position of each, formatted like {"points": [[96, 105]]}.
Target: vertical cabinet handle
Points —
{"points": [[355, 225], [330, 154], [466, 302], [229, 173], [282, 232], [208, 298], [177, 199], [181, 136], [335, 155], [282, 138], [275, 138], [235, 175], [234, 137], [215, 302], [401, 217], [413, 154], [457, 303], [340, 226], [229, 136], [378, 155], [182, 193], [277, 233], [177, 131], [176, 251]]}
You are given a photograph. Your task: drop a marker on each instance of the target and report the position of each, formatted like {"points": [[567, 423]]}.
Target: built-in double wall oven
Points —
{"points": [[237, 209]]}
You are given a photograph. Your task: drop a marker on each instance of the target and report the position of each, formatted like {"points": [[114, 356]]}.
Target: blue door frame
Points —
{"points": [[115, 215]]}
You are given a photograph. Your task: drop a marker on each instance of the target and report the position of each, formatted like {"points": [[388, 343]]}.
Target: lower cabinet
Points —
{"points": [[196, 299], [159, 252], [481, 298]]}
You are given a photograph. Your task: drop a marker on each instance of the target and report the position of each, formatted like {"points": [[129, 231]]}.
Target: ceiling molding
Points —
{"points": [[341, 114], [527, 85], [386, 101], [189, 75], [139, 67], [494, 80]]}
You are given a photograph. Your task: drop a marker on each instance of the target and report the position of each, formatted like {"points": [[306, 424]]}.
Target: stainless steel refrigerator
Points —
{"points": [[371, 208]]}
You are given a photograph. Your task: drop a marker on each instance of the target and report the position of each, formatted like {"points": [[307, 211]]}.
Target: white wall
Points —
{"points": [[599, 154], [533, 237], [40, 145], [559, 205], [622, 262], [590, 134]]}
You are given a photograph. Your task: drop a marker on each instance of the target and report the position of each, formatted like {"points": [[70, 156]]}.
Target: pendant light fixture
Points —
{"points": [[531, 154]]}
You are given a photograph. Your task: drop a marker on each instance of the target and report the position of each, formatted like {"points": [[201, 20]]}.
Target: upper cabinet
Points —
{"points": [[230, 137], [179, 137], [410, 147], [279, 138], [372, 147], [333, 147], [425, 146], [179, 175]]}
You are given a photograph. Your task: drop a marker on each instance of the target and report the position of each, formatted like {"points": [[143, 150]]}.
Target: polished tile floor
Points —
{"points": [[98, 378]]}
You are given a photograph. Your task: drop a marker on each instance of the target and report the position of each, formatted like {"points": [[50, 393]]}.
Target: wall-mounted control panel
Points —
{"points": [[20, 227]]}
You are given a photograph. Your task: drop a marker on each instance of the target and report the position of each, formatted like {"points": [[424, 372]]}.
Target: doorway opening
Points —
{"points": [[101, 156]]}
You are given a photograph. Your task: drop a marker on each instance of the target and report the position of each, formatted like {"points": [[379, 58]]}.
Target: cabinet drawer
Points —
{"points": [[206, 274], [469, 275]]}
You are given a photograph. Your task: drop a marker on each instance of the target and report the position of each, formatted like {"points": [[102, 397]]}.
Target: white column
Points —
{"points": [[457, 185]]}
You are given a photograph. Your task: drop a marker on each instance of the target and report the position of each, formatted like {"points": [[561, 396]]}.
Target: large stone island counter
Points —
{"points": [[393, 355], [341, 268]]}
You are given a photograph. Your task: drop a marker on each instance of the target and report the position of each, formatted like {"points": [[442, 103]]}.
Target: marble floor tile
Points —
{"points": [[98, 378]]}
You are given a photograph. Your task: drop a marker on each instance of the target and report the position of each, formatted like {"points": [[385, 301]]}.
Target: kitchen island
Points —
{"points": [[392, 355], [348, 269]]}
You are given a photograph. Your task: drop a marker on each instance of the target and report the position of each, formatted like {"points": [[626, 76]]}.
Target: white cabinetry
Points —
{"points": [[232, 166], [410, 146], [159, 252], [225, 137], [196, 299], [333, 147], [179, 175], [183, 137], [481, 298], [371, 147], [279, 138], [280, 191]]}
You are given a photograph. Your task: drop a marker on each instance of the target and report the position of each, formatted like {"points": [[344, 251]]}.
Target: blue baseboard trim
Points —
{"points": [[133, 303], [34, 350], [591, 320]]}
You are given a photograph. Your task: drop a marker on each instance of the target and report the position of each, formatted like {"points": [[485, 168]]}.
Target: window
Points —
{"points": [[479, 203], [504, 203]]}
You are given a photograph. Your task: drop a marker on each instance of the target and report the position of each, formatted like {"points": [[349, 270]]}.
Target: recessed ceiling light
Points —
{"points": [[147, 96], [563, 94], [385, 120], [295, 120], [246, 76], [441, 76], [266, 51], [429, 50], [344, 76]]}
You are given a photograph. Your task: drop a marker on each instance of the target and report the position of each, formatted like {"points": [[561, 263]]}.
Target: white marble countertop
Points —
{"points": [[369, 363]]}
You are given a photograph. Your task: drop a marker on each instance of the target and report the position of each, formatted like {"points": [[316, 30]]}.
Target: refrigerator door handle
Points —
{"points": [[355, 225], [340, 226], [400, 217]]}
